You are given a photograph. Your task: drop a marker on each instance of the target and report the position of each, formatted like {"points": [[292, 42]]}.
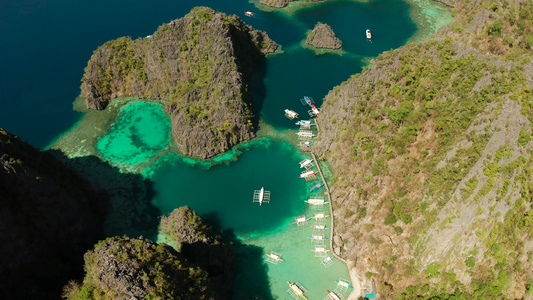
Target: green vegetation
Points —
{"points": [[154, 268]]}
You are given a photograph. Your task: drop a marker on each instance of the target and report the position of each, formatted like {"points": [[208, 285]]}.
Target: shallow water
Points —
{"points": [[135, 138]]}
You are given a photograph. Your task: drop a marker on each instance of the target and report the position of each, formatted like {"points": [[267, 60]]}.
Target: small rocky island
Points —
{"points": [[199, 64], [323, 37]]}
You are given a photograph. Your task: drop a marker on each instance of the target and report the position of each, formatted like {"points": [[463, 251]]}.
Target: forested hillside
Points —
{"points": [[431, 152]]}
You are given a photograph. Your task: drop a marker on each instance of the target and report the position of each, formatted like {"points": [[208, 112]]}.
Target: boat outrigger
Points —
{"points": [[291, 114], [323, 227], [318, 237], [311, 102], [308, 174], [306, 163], [316, 201], [344, 284], [316, 187], [261, 196], [296, 290], [320, 249], [305, 133], [320, 216], [305, 123], [333, 296], [275, 256]]}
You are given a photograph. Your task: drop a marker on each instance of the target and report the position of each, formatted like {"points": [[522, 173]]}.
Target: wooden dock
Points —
{"points": [[330, 208]]}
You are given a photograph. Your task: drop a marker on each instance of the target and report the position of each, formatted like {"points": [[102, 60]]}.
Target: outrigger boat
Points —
{"points": [[316, 201], [319, 249], [320, 216], [333, 296], [275, 257], [305, 133], [296, 290], [305, 123], [344, 284], [318, 238], [291, 114], [323, 227], [301, 220], [261, 195], [249, 13], [311, 102], [316, 187], [308, 174], [306, 162]]}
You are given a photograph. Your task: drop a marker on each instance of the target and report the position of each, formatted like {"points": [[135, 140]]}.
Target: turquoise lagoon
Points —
{"points": [[134, 139]]}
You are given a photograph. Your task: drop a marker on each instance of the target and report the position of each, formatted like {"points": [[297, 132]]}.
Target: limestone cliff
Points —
{"points": [[431, 151], [322, 36], [199, 64], [199, 244], [128, 268], [49, 217]]}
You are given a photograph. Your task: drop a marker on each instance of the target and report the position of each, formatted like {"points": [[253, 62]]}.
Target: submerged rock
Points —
{"points": [[322, 36], [199, 64]]}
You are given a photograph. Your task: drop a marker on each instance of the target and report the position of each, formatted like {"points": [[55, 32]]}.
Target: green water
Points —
{"points": [[142, 130]]}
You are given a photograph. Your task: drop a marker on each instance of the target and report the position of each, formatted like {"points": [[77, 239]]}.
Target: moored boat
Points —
{"points": [[368, 34], [275, 257], [249, 13], [333, 296], [296, 289]]}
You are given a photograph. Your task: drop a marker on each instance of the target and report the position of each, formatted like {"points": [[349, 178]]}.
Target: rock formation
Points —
{"points": [[200, 246], [128, 268], [49, 218], [199, 64], [322, 36]]}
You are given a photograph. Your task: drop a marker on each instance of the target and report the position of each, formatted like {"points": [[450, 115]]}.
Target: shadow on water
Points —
{"points": [[257, 90], [250, 280], [130, 210]]}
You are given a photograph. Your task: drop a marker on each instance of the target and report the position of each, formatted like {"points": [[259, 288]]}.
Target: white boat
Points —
{"points": [[249, 13], [305, 123], [316, 201], [297, 290], [291, 114], [323, 227], [368, 34], [333, 296], [261, 195], [308, 174], [306, 162], [320, 216], [275, 257], [320, 249], [305, 133]]}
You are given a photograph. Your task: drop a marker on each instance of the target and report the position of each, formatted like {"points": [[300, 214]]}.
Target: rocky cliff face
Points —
{"points": [[127, 268], [49, 218], [431, 151], [199, 64], [322, 36], [201, 247]]}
